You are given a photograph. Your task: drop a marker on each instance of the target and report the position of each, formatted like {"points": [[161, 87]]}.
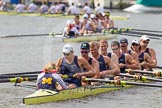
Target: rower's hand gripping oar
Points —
{"points": [[119, 82], [153, 73], [140, 77]]}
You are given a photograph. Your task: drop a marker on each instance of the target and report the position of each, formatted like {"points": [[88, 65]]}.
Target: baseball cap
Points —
{"points": [[123, 40], [85, 16], [103, 14], [67, 48], [135, 41], [144, 37], [69, 22], [93, 16], [85, 45]]}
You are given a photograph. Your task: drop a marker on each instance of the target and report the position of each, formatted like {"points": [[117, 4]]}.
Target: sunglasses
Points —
{"points": [[84, 51], [115, 48], [134, 44], [66, 54], [146, 42]]}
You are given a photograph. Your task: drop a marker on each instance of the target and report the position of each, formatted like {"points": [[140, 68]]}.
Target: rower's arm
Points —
{"points": [[58, 64], [131, 63], [150, 62], [84, 64], [113, 68], [95, 66], [153, 55], [115, 59]]}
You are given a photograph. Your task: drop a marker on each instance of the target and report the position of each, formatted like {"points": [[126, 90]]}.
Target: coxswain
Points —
{"points": [[49, 79], [72, 66]]}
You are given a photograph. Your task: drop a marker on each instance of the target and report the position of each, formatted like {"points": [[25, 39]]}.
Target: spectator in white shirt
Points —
{"points": [[32, 8], [86, 9], [20, 8], [73, 10], [99, 9]]}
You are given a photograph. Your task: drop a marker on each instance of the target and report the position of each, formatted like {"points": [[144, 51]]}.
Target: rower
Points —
{"points": [[124, 49], [72, 66], [103, 50], [106, 65], [85, 49], [88, 28], [77, 23], [125, 60], [73, 10], [109, 22], [49, 79], [144, 58], [70, 30], [144, 41]]}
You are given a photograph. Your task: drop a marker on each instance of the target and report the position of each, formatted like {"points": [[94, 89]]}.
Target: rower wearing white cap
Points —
{"points": [[144, 41], [70, 30], [144, 58], [72, 66]]}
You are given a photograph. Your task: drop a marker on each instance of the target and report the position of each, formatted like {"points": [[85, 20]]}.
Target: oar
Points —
{"points": [[17, 80], [140, 77], [22, 73], [160, 67], [32, 35], [144, 33], [137, 35], [153, 73], [13, 76], [145, 30], [119, 82]]}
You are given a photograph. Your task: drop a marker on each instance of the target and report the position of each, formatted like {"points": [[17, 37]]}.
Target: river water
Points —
{"points": [[32, 53]]}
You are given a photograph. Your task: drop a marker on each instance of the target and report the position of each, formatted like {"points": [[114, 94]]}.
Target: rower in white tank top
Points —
{"points": [[73, 9]]}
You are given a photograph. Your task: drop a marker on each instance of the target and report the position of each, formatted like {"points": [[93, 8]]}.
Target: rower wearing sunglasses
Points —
{"points": [[85, 49], [107, 67], [144, 41], [72, 66], [124, 49], [144, 58], [125, 60]]}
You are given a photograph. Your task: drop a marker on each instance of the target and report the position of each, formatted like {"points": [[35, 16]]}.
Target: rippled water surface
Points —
{"points": [[32, 53]]}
